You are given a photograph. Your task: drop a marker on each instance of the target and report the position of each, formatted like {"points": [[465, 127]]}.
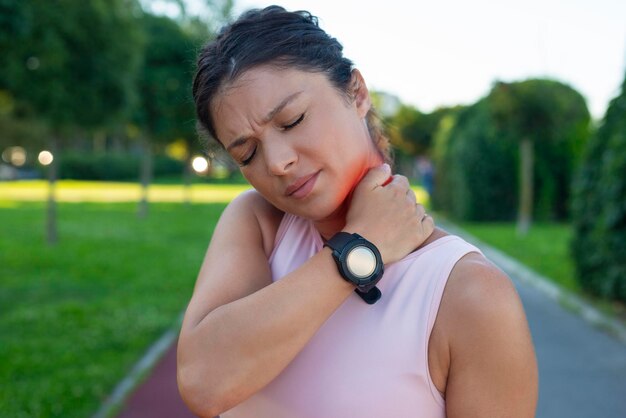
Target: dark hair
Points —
{"points": [[280, 38]]}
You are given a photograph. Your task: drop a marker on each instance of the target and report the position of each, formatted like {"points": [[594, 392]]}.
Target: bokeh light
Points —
{"points": [[15, 156], [200, 164], [32, 63], [45, 157]]}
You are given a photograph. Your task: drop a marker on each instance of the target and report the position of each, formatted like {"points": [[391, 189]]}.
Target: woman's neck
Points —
{"points": [[334, 223]]}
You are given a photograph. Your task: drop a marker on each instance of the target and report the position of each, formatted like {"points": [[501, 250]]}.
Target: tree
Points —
{"points": [[413, 131], [476, 159], [599, 209], [475, 177], [165, 111], [542, 114], [70, 64]]}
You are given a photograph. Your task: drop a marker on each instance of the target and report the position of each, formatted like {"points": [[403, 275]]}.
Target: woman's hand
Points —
{"points": [[388, 215]]}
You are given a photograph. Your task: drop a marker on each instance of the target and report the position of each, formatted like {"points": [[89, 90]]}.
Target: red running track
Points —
{"points": [[157, 396]]}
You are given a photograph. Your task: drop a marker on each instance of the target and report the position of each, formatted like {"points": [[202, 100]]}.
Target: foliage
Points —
{"points": [[165, 109], [80, 67], [412, 131], [111, 167], [555, 117], [599, 243], [476, 177], [73, 322], [477, 156], [30, 134], [70, 63]]}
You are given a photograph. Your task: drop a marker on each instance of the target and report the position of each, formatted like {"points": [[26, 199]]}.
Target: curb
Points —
{"points": [[138, 373], [524, 274]]}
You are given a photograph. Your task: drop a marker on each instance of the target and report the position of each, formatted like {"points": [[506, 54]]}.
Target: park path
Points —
{"points": [[582, 370], [158, 396]]}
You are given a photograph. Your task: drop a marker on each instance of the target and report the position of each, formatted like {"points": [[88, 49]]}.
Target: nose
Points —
{"points": [[280, 156]]}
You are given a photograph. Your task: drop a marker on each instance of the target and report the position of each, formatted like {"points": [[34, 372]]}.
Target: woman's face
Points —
{"points": [[298, 140]]}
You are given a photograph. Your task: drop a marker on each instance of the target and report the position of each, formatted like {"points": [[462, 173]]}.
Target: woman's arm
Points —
{"points": [[241, 330], [492, 366]]}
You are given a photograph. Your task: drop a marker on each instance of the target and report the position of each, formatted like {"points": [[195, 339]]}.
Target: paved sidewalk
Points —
{"points": [[582, 370], [158, 396]]}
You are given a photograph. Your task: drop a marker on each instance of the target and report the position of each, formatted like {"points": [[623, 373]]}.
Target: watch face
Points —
{"points": [[361, 261]]}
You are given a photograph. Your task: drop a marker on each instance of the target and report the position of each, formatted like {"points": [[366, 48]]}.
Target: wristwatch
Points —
{"points": [[359, 262]]}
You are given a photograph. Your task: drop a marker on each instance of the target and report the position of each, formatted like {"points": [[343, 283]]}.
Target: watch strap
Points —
{"points": [[371, 296], [340, 239]]}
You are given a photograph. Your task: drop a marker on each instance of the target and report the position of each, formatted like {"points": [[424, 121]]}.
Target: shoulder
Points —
{"points": [[251, 207], [477, 298], [475, 280], [479, 295], [483, 330]]}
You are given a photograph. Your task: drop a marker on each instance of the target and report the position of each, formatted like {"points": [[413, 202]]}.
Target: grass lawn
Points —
{"points": [[545, 249], [100, 191], [75, 317]]}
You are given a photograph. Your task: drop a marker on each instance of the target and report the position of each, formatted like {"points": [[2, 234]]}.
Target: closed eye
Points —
{"points": [[294, 124], [249, 159]]}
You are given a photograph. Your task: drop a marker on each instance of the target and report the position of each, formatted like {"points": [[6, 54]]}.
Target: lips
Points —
{"points": [[302, 186]]}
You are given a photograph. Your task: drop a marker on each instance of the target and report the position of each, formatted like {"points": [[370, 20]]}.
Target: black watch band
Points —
{"points": [[338, 241], [371, 296]]}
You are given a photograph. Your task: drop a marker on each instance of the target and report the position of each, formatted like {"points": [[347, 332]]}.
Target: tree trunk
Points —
{"points": [[51, 210], [146, 176], [526, 186]]}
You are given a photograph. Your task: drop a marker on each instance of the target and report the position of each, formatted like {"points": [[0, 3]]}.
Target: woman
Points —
{"points": [[275, 327]]}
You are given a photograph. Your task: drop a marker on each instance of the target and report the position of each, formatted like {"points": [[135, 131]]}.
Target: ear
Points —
{"points": [[360, 94]]}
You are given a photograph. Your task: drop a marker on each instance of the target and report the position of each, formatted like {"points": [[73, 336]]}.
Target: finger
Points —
{"points": [[410, 195], [399, 185], [400, 180], [420, 211], [428, 224], [377, 176]]}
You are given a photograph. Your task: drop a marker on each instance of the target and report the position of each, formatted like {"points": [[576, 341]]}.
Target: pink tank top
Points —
{"points": [[366, 360]]}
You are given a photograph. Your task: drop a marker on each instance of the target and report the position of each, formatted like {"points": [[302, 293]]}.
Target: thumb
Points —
{"points": [[378, 176]]}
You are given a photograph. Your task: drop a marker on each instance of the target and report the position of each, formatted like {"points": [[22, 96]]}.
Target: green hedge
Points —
{"points": [[477, 152], [599, 209], [474, 177], [113, 167]]}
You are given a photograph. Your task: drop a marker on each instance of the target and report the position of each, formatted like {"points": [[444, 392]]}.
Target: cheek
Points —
{"points": [[347, 155], [347, 175], [259, 182]]}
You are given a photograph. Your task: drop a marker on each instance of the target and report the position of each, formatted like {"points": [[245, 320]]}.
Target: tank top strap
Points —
{"points": [[443, 260], [296, 241]]}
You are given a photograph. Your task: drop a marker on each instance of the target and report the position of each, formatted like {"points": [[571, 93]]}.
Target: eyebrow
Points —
{"points": [[241, 140]]}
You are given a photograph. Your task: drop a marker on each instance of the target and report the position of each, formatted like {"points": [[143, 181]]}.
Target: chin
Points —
{"points": [[315, 210], [332, 211]]}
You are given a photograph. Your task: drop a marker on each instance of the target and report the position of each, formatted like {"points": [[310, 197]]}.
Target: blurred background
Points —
{"points": [[509, 119]]}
